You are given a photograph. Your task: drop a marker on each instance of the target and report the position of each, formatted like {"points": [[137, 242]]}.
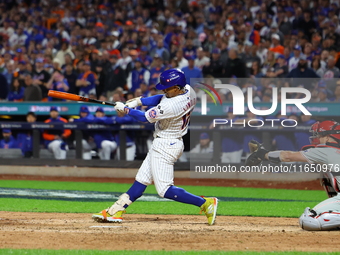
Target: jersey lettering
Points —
{"points": [[172, 115], [186, 120]]}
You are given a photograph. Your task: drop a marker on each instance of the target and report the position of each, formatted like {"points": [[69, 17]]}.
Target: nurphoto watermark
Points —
{"points": [[239, 105]]}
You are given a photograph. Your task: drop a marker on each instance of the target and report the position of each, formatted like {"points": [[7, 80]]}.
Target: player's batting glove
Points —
{"points": [[120, 107], [257, 155], [134, 102]]}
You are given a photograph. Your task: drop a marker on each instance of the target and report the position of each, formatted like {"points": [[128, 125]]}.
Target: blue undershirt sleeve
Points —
{"points": [[151, 101], [138, 115]]}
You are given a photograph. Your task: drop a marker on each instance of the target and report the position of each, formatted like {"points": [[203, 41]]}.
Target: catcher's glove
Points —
{"points": [[257, 153]]}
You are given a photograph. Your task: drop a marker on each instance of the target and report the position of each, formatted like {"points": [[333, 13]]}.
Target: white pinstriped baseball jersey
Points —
{"points": [[172, 115]]}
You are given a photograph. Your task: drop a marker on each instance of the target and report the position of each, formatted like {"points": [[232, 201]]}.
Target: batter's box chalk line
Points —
{"points": [[106, 227]]}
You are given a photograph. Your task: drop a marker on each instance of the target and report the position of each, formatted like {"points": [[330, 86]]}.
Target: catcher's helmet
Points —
{"points": [[327, 127], [170, 78]]}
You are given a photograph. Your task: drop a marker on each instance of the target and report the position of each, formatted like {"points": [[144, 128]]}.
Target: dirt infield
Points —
{"points": [[163, 232], [158, 232]]}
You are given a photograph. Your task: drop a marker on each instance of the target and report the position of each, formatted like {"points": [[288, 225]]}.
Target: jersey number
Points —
{"points": [[186, 120]]}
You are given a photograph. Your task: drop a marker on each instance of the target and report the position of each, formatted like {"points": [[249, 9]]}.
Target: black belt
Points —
{"points": [[169, 138]]}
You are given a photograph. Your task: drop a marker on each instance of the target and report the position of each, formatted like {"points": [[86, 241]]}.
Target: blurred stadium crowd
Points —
{"points": [[115, 50]]}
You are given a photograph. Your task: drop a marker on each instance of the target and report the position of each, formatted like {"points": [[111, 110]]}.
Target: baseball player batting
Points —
{"points": [[171, 114], [323, 152]]}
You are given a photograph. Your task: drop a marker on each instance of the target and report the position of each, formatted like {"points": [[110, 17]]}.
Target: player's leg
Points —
{"points": [[63, 150], [163, 158], [324, 216], [115, 212], [52, 146], [86, 150], [329, 184], [235, 156], [226, 157], [58, 148], [336, 181], [330, 181], [131, 153], [107, 148]]}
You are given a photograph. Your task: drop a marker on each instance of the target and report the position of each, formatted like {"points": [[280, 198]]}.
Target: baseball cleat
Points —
{"points": [[104, 216], [210, 209]]}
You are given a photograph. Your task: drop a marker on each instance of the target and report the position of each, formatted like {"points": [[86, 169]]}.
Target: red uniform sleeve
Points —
{"points": [[47, 136]]}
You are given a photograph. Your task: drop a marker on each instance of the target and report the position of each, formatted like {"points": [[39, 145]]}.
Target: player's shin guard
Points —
{"points": [[330, 185], [307, 221], [324, 221], [180, 195], [120, 205], [126, 199]]}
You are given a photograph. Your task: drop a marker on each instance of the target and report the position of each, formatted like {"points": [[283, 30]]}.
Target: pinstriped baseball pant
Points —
{"points": [[158, 166], [55, 148]]}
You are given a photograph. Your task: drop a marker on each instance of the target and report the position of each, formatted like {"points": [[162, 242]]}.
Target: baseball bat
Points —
{"points": [[74, 97]]}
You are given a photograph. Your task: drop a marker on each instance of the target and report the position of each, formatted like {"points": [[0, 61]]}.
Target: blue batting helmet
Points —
{"points": [[170, 78]]}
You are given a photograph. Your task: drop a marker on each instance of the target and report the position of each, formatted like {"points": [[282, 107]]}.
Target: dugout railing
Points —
{"points": [[265, 134], [77, 129]]}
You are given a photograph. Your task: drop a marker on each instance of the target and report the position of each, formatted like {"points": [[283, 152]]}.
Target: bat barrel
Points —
{"points": [[74, 97]]}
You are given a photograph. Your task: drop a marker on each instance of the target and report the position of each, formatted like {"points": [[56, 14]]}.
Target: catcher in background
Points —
{"points": [[324, 150]]}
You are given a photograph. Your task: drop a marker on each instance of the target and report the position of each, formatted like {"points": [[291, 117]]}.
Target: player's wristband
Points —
{"points": [[274, 156]]}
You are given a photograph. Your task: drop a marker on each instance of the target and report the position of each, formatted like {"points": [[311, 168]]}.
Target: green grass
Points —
{"points": [[96, 252], [309, 195], [237, 208], [269, 209]]}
